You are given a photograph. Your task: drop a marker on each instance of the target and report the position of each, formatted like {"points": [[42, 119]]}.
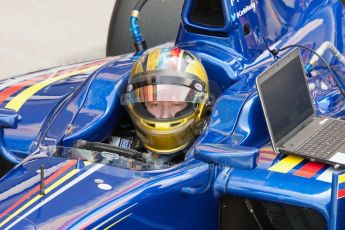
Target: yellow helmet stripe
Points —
{"points": [[137, 68], [153, 58], [144, 62], [195, 68]]}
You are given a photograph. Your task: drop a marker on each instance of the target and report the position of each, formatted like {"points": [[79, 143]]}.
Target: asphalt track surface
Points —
{"points": [[37, 34]]}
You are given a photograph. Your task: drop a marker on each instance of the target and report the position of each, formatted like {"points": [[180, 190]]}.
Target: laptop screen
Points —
{"points": [[285, 95]]}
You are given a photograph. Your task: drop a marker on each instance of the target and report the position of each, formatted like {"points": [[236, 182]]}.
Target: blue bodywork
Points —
{"points": [[187, 195]]}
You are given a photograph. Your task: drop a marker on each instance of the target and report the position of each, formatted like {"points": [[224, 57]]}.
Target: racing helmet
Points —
{"points": [[166, 97]]}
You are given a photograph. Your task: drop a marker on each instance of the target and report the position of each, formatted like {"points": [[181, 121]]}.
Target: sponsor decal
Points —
{"points": [[244, 10], [125, 143]]}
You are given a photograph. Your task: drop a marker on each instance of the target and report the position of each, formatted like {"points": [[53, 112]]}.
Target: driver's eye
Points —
{"points": [[154, 105], [177, 105]]}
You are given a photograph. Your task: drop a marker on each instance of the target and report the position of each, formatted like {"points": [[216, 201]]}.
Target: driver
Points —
{"points": [[166, 98]]}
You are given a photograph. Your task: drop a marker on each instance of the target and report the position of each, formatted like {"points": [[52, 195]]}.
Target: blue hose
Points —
{"points": [[135, 30], [139, 41]]}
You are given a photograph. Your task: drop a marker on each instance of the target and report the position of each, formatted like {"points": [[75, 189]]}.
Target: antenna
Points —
{"points": [[42, 192]]}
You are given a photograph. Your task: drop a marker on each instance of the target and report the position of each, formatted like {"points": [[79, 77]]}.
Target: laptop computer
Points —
{"points": [[293, 125]]}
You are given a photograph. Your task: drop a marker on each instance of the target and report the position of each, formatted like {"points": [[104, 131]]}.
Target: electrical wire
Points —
{"points": [[252, 212], [275, 52]]}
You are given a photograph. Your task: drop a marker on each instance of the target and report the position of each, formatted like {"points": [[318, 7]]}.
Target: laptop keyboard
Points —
{"points": [[324, 142]]}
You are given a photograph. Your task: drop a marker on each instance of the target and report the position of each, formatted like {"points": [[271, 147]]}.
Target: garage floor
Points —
{"points": [[37, 34]]}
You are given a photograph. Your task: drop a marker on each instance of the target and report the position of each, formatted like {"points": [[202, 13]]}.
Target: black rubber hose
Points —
{"points": [[140, 5]]}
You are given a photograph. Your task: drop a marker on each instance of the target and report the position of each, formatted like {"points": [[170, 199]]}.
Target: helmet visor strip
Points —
{"points": [[163, 93], [165, 89], [168, 78]]}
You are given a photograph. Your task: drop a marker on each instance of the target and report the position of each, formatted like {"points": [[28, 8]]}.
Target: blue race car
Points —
{"points": [[56, 125]]}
